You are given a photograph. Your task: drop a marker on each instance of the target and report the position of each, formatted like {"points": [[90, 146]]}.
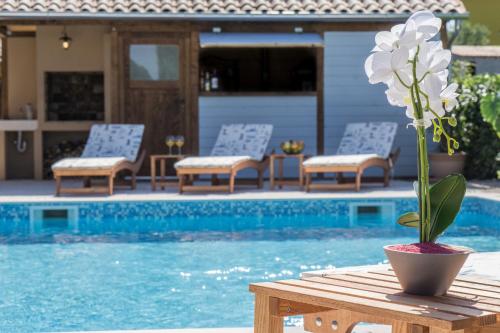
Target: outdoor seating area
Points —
{"points": [[114, 148]]}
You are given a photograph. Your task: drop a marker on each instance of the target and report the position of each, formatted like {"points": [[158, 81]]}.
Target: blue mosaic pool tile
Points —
{"points": [[155, 210]]}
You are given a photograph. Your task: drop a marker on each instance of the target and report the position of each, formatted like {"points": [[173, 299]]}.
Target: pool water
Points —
{"points": [[187, 270]]}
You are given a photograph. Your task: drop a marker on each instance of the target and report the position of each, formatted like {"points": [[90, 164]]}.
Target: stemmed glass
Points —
{"points": [[170, 142], [179, 142]]}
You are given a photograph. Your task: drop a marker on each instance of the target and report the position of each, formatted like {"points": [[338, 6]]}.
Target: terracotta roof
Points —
{"points": [[227, 7], [476, 51]]}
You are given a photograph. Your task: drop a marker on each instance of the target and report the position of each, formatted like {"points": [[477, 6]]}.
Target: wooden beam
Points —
{"points": [[320, 109], [4, 100], [444, 35], [115, 78], [192, 123]]}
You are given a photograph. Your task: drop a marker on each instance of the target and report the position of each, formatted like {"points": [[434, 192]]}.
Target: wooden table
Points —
{"points": [[336, 303], [280, 181], [162, 181]]}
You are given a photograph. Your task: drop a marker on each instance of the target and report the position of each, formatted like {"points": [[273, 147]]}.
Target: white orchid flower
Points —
{"points": [[426, 23], [432, 58], [384, 66], [400, 35], [449, 97], [397, 93]]}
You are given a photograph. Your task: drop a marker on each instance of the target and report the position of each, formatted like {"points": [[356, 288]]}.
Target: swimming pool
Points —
{"points": [[174, 264]]}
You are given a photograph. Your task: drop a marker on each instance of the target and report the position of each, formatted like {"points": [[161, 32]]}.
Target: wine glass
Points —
{"points": [[170, 142], [179, 142]]}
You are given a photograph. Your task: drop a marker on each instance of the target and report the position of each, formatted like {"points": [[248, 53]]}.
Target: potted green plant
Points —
{"points": [[415, 70]]}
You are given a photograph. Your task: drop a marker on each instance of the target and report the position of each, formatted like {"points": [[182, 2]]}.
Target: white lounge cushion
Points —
{"points": [[339, 160], [211, 161], [96, 163]]}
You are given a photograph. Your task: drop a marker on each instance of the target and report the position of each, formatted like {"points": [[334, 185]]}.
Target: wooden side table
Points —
{"points": [[335, 303], [162, 181], [280, 158]]}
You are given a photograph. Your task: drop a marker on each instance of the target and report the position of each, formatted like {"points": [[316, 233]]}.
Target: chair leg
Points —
{"points": [[386, 177], [358, 181], [87, 182], [58, 186], [260, 178], [181, 184], [340, 177], [308, 182], [111, 181], [231, 182], [133, 181], [215, 179]]}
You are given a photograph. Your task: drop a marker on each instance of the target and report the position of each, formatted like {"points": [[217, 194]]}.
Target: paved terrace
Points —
{"points": [[42, 191]]}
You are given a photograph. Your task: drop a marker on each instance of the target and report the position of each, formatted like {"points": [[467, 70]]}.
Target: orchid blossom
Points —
{"points": [[414, 68]]}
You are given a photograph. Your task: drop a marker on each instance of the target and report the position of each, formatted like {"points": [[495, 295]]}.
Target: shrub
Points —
{"points": [[476, 136]]}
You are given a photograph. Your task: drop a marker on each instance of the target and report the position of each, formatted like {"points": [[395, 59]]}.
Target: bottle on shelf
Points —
{"points": [[207, 81], [202, 80], [214, 81]]}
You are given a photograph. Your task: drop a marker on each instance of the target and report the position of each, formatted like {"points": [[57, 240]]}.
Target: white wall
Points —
{"points": [[350, 98], [293, 117], [21, 60]]}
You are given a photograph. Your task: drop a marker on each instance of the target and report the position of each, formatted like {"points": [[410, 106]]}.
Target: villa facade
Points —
{"points": [[187, 67]]}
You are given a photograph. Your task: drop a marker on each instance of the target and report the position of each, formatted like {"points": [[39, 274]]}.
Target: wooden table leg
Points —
{"points": [[162, 173], [301, 172], [399, 326], [271, 172], [264, 320], [153, 174], [280, 172]]}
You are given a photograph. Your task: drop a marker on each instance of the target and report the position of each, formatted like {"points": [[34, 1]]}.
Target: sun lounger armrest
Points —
{"points": [[138, 162]]}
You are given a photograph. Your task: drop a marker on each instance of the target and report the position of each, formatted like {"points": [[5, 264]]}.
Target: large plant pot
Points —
{"points": [[442, 164], [428, 274]]}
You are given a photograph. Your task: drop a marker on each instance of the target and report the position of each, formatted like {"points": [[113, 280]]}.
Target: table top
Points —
{"points": [[283, 155], [471, 301], [159, 156]]}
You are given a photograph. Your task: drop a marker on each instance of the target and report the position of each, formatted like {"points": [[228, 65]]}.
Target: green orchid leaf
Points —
{"points": [[410, 219], [446, 198]]}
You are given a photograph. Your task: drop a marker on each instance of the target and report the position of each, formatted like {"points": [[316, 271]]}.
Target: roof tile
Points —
{"points": [[303, 7]]}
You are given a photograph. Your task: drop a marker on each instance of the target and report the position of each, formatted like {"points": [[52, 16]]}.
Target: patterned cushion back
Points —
{"points": [[368, 138], [243, 140], [114, 140]]}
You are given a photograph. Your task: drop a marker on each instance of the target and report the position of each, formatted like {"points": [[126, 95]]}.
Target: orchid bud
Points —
{"points": [[450, 151], [456, 145], [436, 138], [452, 121]]}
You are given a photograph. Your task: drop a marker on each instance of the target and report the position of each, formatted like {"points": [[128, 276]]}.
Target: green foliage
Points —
{"points": [[446, 199], [476, 137], [490, 110], [473, 34]]}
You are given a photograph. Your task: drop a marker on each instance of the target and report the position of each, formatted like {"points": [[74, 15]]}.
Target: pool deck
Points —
{"points": [[43, 191]]}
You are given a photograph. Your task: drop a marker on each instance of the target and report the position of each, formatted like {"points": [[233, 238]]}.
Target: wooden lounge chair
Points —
{"points": [[364, 145], [238, 147], [109, 149]]}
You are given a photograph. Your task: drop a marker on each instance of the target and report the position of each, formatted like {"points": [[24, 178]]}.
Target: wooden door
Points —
{"points": [[155, 76]]}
